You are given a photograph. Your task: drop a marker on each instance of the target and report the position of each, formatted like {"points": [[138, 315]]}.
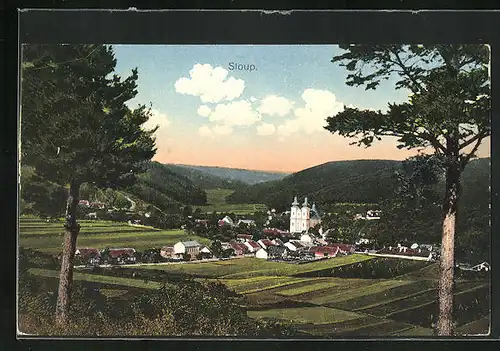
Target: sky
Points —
{"points": [[260, 107]]}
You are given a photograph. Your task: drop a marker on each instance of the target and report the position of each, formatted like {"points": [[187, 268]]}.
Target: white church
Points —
{"points": [[303, 218]]}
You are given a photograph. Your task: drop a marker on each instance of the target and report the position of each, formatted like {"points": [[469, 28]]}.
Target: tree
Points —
{"points": [[76, 128], [448, 111], [413, 213]]}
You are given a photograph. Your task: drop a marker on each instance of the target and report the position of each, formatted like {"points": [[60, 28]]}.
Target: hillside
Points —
{"points": [[165, 189], [236, 175], [205, 180], [359, 181]]}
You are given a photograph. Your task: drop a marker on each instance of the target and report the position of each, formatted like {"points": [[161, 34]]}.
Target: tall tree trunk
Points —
{"points": [[451, 197], [71, 231]]}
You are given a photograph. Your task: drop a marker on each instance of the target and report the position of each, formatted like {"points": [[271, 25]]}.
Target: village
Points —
{"points": [[300, 244]]}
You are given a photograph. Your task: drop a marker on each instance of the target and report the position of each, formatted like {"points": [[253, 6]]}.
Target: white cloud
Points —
{"points": [[205, 131], [157, 119], [204, 110], [222, 129], [319, 104], [253, 99], [266, 129], [236, 113], [210, 84], [273, 105]]}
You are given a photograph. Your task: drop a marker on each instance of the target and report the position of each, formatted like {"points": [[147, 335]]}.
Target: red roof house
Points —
{"points": [[324, 251], [239, 248], [252, 246], [244, 237], [265, 243]]}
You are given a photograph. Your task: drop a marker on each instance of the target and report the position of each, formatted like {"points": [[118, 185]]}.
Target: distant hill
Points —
{"points": [[235, 175], [205, 180], [358, 181]]}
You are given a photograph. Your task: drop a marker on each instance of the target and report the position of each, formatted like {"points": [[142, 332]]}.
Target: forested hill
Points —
{"points": [[167, 189], [234, 174], [359, 181], [205, 180]]}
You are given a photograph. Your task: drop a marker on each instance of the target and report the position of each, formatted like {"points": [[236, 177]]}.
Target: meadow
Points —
{"points": [[216, 202], [310, 296], [47, 237]]}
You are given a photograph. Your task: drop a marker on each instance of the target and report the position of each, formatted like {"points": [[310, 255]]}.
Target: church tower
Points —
{"points": [[295, 213], [305, 216]]}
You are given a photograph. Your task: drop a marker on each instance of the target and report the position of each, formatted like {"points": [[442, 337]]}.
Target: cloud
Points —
{"points": [[266, 129], [236, 113], [205, 131], [204, 110], [253, 99], [273, 105], [222, 129], [210, 84], [319, 104], [157, 119]]}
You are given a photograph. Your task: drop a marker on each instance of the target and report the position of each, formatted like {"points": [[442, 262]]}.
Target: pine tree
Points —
{"points": [[76, 128]]}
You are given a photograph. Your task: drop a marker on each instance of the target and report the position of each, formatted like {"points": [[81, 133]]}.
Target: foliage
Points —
{"points": [[184, 308], [75, 124], [41, 197]]}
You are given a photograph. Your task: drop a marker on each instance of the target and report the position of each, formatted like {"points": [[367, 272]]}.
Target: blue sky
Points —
{"points": [[274, 113]]}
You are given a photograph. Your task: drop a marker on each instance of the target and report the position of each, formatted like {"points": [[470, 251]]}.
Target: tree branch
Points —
{"points": [[410, 76]]}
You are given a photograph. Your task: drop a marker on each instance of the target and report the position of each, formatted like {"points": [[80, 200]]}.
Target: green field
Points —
{"points": [[47, 237], [319, 306], [216, 202], [315, 315]]}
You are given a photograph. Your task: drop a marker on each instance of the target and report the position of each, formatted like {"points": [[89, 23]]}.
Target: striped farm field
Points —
{"points": [[105, 279], [315, 315], [252, 285], [312, 286], [357, 288]]}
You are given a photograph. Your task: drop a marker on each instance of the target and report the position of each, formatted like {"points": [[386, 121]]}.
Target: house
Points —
{"points": [[324, 251], [308, 239], [84, 203], [320, 241], [248, 222], [485, 266], [252, 246], [244, 237], [191, 248], [261, 253], [88, 255], [275, 232], [205, 252], [99, 205], [226, 221], [372, 214], [294, 245], [265, 243], [345, 248], [279, 252], [225, 246], [239, 248], [277, 242], [167, 252], [124, 255]]}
